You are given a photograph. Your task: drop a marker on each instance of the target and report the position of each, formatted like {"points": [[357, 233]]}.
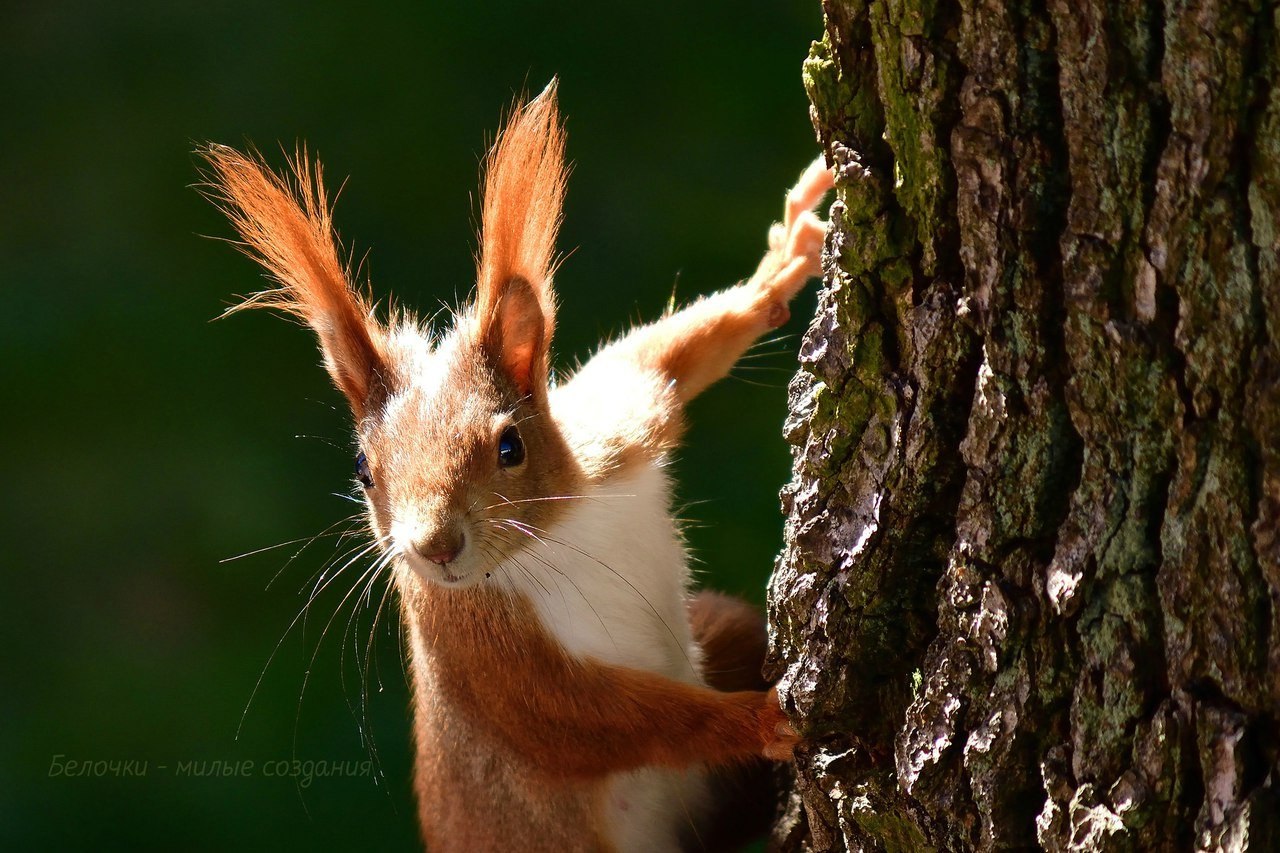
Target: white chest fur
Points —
{"points": [[610, 582], [610, 579]]}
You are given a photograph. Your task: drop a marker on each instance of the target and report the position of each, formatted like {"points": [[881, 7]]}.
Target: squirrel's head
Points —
{"points": [[458, 456]]}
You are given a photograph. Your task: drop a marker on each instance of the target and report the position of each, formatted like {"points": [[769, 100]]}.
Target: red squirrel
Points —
{"points": [[564, 677]]}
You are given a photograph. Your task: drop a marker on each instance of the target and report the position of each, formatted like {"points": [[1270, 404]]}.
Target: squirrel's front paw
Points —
{"points": [[795, 244], [779, 736]]}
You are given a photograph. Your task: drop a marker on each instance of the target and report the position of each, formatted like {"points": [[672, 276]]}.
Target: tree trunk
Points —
{"points": [[1031, 588]]}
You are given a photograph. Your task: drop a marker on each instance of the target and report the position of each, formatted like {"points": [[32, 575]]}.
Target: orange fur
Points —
{"points": [[524, 184], [475, 792], [442, 471], [697, 345], [690, 349], [558, 725], [287, 226], [518, 740], [598, 719]]}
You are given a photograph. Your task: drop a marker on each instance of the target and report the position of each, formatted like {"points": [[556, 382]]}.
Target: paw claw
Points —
{"points": [[781, 738], [795, 247], [814, 183], [806, 240]]}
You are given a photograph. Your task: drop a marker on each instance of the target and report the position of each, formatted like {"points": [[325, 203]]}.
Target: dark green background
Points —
{"points": [[145, 443]]}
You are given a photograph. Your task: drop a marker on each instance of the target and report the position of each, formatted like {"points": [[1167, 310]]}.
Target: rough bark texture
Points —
{"points": [[1031, 591]]}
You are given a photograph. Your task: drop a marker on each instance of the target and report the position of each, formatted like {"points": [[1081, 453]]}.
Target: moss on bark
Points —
{"points": [[1031, 591]]}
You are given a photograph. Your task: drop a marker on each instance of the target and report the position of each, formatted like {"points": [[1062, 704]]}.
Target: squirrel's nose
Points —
{"points": [[441, 550]]}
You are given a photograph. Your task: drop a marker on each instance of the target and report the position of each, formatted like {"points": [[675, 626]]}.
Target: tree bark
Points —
{"points": [[1030, 594]]}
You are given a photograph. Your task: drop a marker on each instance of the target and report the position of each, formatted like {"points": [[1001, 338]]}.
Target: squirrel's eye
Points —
{"points": [[362, 471], [510, 448]]}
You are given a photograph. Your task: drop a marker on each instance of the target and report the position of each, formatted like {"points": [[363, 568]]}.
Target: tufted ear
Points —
{"points": [[517, 336], [286, 225], [524, 185]]}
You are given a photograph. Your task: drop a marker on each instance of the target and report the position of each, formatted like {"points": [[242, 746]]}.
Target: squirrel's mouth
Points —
{"points": [[449, 576]]}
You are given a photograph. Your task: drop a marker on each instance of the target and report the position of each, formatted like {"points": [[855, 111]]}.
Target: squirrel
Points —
{"points": [[570, 693]]}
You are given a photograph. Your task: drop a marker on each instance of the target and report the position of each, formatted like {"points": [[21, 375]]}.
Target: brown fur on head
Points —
{"points": [[432, 412]]}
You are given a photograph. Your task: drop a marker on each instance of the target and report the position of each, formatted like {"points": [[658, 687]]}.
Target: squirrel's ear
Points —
{"points": [[524, 180], [516, 337], [285, 224]]}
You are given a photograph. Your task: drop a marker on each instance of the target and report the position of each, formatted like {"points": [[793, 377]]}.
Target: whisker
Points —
{"points": [[321, 578], [261, 675], [746, 381], [322, 439], [352, 556], [499, 523], [363, 727], [763, 368], [581, 594], [353, 521], [373, 628], [614, 572], [776, 339], [330, 406], [760, 356], [529, 575], [757, 353], [363, 724], [286, 544], [509, 502], [306, 676], [352, 626], [401, 631]]}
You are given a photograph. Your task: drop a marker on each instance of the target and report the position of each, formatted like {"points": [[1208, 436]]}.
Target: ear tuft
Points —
{"points": [[286, 225], [524, 185]]}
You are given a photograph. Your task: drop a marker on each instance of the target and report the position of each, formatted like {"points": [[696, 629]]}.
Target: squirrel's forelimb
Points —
{"points": [[552, 718], [696, 346], [576, 718]]}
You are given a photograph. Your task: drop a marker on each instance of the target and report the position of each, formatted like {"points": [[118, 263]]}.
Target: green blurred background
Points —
{"points": [[146, 444]]}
